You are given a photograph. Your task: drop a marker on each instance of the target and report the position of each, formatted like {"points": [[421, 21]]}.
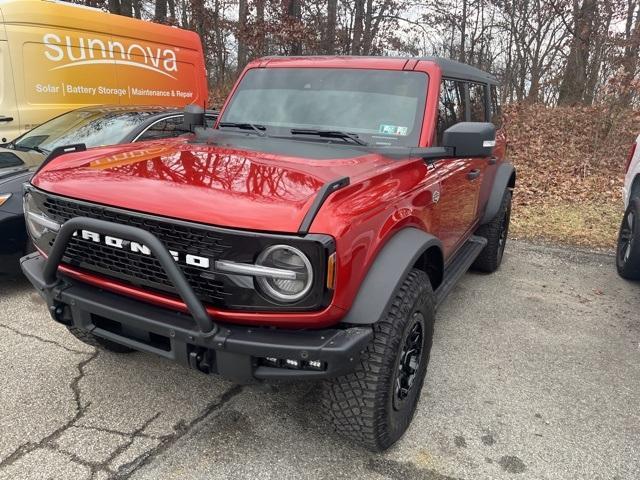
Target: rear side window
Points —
{"points": [[496, 109], [8, 159], [478, 102], [169, 127], [452, 106]]}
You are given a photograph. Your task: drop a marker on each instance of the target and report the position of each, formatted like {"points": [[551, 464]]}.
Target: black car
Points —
{"points": [[92, 126]]}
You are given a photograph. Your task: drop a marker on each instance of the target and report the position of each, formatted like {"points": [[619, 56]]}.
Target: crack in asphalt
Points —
{"points": [[180, 430], [43, 340], [122, 448], [119, 432], [49, 440]]}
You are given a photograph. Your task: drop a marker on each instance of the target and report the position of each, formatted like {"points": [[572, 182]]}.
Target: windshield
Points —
{"points": [[383, 107], [93, 128]]}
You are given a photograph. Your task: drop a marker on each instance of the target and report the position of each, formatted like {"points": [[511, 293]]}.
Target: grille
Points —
{"points": [[139, 269]]}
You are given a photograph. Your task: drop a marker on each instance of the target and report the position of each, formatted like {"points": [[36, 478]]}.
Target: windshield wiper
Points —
{"points": [[27, 148], [259, 129], [328, 134]]}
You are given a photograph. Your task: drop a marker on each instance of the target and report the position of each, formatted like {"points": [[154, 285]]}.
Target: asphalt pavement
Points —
{"points": [[534, 374]]}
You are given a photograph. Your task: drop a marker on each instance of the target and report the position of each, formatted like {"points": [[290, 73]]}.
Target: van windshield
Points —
{"points": [[93, 128], [382, 107]]}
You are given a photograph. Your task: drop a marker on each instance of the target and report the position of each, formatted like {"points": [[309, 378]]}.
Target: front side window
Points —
{"points": [[382, 107], [451, 106]]}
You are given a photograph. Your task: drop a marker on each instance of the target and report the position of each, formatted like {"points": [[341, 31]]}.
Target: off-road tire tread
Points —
{"points": [[630, 269], [355, 403], [95, 341], [488, 261]]}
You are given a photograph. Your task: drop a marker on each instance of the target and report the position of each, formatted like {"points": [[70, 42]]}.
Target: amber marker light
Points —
{"points": [[331, 271]]}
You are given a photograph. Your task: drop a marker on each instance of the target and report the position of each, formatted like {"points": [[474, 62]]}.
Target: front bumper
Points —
{"points": [[232, 351]]}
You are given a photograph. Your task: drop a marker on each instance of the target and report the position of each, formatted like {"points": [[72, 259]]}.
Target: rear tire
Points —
{"points": [[496, 233], [375, 404], [628, 246], [98, 342]]}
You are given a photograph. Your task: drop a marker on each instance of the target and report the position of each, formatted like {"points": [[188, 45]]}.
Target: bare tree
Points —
{"points": [[243, 14], [161, 11]]}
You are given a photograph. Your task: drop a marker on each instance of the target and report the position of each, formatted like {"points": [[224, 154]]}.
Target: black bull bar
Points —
{"points": [[233, 351], [158, 250]]}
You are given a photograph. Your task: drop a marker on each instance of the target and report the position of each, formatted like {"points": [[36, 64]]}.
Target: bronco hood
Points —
{"points": [[211, 184]]}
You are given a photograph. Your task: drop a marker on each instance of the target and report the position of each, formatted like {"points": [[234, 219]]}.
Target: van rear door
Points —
{"points": [[9, 116]]}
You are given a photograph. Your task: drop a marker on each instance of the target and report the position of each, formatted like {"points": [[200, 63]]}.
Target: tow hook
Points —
{"points": [[200, 359], [60, 313]]}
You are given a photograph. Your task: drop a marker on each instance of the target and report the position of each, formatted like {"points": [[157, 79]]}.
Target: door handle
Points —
{"points": [[6, 119], [492, 160], [473, 174]]}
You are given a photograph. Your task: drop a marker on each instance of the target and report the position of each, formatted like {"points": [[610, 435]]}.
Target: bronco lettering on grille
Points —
{"points": [[135, 247]]}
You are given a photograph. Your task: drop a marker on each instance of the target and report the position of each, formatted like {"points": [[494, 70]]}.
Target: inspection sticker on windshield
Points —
{"points": [[393, 130]]}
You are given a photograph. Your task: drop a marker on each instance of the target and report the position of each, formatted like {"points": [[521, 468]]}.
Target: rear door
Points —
{"points": [[9, 116], [459, 177], [478, 94]]}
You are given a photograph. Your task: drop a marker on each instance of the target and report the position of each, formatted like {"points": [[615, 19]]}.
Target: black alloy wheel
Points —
{"points": [[409, 361]]}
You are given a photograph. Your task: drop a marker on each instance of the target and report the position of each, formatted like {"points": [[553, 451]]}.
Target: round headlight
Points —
{"points": [[288, 258], [37, 222]]}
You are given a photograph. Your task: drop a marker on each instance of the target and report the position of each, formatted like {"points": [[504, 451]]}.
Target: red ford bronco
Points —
{"points": [[309, 236]]}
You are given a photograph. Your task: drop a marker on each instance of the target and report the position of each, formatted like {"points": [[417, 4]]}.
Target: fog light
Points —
{"points": [[314, 364], [292, 363], [274, 362]]}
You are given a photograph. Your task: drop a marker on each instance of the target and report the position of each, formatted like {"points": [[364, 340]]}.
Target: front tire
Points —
{"points": [[98, 342], [375, 404], [628, 246]]}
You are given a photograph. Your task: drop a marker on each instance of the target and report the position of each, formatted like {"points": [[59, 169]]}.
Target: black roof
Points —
{"points": [[453, 69], [450, 68]]}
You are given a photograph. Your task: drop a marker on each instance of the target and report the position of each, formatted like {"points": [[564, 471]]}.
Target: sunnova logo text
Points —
{"points": [[93, 51], [135, 247]]}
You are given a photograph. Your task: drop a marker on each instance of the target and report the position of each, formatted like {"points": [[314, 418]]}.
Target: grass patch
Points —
{"points": [[581, 224]]}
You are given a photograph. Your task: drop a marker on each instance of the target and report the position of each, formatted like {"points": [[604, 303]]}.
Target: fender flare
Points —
{"points": [[386, 274], [505, 178]]}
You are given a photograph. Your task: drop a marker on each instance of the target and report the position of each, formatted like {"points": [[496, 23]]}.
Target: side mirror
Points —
{"points": [[193, 117], [470, 139]]}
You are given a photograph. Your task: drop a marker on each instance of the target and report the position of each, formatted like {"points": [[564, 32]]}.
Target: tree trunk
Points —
{"points": [[261, 36], [294, 12], [367, 34], [126, 8], [358, 21], [330, 31], [172, 10], [114, 6], [161, 11], [243, 13], [632, 49], [137, 10], [463, 32], [574, 80]]}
